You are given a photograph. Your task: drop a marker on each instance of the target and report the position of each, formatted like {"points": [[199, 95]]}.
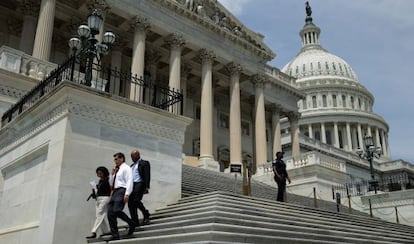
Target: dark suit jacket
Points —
{"points": [[144, 171]]}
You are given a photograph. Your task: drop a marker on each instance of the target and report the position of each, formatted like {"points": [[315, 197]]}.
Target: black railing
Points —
{"points": [[104, 80], [388, 184]]}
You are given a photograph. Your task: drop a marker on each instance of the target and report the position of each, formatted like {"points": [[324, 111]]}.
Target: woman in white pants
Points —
{"points": [[102, 199]]}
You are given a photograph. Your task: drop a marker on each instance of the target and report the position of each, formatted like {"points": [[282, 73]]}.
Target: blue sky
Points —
{"points": [[376, 37]]}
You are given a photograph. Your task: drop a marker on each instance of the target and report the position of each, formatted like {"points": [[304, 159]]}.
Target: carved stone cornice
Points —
{"points": [[245, 38], [17, 134], [234, 69], [175, 40], [28, 7], [139, 23], [206, 56], [11, 92], [20, 131]]}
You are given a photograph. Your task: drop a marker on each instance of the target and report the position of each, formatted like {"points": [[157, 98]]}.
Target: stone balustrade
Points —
{"points": [[21, 63], [276, 73]]}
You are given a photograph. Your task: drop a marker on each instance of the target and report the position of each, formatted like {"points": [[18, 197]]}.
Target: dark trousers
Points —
{"points": [[281, 188], [135, 202], [115, 207]]}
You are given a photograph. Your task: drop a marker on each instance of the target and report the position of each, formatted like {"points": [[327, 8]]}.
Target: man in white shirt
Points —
{"points": [[122, 183]]}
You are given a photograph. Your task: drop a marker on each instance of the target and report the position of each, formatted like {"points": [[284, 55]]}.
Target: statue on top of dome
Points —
{"points": [[308, 9]]}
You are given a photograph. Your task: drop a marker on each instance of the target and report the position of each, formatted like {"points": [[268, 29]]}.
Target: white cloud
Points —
{"points": [[234, 6]]}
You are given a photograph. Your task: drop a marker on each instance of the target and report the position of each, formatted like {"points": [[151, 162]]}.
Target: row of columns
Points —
{"points": [[354, 136], [42, 49]]}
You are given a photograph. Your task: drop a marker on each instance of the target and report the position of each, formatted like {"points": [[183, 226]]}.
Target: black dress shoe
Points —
{"points": [[92, 236], [114, 238], [146, 218], [131, 230]]}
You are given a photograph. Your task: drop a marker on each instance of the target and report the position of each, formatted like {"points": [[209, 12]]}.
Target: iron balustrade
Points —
{"points": [[387, 184], [73, 69]]}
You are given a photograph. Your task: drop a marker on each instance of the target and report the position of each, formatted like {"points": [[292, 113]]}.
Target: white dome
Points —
{"points": [[314, 61]]}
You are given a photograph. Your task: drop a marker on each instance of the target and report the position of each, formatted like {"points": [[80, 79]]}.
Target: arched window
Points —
{"points": [[334, 100], [314, 105], [324, 101], [344, 101]]}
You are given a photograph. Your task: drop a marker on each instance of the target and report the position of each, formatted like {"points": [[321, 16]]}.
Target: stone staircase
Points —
{"points": [[197, 181], [224, 217], [227, 217]]}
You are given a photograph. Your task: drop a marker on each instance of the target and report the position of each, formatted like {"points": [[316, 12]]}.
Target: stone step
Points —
{"points": [[219, 237], [232, 233], [229, 218], [260, 205], [274, 223], [265, 219], [199, 181]]}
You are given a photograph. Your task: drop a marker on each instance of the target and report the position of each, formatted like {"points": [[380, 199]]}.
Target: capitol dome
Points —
{"points": [[337, 109], [315, 61]]}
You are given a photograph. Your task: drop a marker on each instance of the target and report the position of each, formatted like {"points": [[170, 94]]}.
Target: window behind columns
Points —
{"points": [[328, 137], [223, 120], [197, 112], [340, 137], [317, 135], [245, 127]]}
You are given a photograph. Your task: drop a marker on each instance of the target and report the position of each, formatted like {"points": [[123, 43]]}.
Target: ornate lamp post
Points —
{"points": [[89, 45], [370, 152]]}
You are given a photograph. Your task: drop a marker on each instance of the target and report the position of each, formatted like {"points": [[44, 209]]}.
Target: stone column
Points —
{"points": [[277, 140], [387, 145], [384, 144], [29, 9], [369, 130], [260, 121], [348, 136], [235, 114], [336, 135], [140, 26], [294, 134], [175, 42], [44, 30], [377, 137], [206, 121], [310, 131], [323, 133], [360, 137]]}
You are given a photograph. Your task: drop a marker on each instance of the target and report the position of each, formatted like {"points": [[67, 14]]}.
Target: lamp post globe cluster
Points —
{"points": [[86, 42], [371, 152]]}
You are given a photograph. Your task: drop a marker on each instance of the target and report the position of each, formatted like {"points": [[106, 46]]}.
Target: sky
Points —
{"points": [[376, 37]]}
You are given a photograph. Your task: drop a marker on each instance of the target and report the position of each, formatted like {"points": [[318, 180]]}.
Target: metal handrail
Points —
{"points": [[73, 70]]}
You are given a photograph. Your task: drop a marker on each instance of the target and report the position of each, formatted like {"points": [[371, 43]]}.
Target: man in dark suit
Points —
{"points": [[141, 172]]}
